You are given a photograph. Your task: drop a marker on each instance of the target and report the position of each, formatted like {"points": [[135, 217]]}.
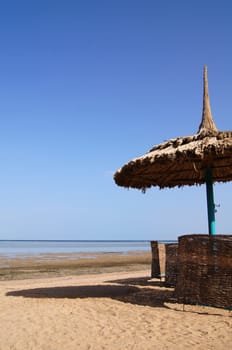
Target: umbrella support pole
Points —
{"points": [[210, 201]]}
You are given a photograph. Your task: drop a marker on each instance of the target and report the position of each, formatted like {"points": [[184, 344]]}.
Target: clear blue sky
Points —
{"points": [[85, 86]]}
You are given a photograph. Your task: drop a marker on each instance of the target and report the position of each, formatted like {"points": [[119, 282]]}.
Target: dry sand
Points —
{"points": [[115, 310]]}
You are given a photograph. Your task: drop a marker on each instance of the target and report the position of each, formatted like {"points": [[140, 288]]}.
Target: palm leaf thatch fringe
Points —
{"points": [[183, 160]]}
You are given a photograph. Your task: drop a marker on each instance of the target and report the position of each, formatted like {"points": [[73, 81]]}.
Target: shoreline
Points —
{"points": [[67, 264]]}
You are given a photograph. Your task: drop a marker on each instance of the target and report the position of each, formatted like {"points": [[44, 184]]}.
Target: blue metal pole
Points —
{"points": [[210, 201]]}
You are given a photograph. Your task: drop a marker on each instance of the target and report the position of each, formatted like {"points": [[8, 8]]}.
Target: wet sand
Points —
{"points": [[62, 264]]}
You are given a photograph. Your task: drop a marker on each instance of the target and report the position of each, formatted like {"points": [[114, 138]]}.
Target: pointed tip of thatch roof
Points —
{"points": [[207, 122]]}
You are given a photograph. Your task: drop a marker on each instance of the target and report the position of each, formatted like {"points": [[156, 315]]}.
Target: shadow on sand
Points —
{"points": [[135, 291]]}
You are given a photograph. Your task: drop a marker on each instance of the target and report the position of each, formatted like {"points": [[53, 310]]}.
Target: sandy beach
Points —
{"points": [[118, 309]]}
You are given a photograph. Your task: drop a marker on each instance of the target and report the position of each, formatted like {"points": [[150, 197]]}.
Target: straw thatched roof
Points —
{"points": [[183, 160]]}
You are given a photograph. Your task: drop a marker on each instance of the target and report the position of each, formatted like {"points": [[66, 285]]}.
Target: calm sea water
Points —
{"points": [[11, 249]]}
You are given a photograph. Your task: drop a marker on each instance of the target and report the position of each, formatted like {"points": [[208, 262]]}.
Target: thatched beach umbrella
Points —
{"points": [[205, 157]]}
